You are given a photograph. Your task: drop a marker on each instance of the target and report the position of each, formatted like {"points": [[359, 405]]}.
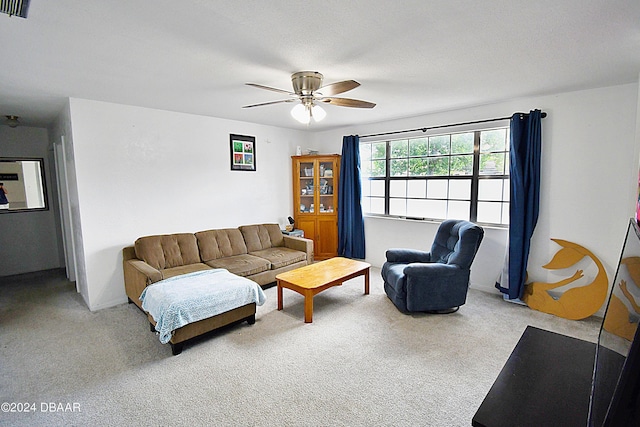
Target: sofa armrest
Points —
{"points": [[300, 244], [151, 273], [137, 276]]}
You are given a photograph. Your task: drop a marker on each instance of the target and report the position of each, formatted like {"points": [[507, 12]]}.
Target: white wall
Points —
{"points": [[588, 186], [29, 240], [142, 171]]}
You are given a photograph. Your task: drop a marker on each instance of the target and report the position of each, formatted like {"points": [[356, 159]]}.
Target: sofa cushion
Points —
{"points": [[167, 251], [281, 256], [262, 236], [216, 244], [242, 265]]}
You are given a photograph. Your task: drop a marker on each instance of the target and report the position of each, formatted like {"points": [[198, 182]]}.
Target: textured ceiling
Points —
{"points": [[411, 57]]}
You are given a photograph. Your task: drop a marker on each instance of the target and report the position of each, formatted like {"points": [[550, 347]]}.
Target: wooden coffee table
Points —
{"points": [[315, 278]]}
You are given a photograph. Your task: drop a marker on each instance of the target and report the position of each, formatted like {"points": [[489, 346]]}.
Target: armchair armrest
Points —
{"points": [[431, 270], [300, 244], [407, 255]]}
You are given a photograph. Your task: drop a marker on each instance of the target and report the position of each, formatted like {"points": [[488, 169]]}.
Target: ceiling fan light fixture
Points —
{"points": [[12, 121], [304, 112], [318, 113], [301, 114], [308, 89]]}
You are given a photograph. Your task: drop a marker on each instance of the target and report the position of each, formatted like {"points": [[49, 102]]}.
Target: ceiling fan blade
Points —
{"points": [[347, 102], [338, 87], [269, 103], [270, 88]]}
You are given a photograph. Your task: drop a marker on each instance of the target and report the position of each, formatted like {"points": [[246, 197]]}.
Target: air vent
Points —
{"points": [[14, 7]]}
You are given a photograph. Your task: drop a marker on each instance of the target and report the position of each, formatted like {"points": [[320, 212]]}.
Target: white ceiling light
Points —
{"points": [[318, 113], [304, 112], [12, 121], [299, 112]]}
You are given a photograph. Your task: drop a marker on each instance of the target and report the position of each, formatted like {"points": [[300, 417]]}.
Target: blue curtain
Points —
{"points": [[526, 141], [350, 220]]}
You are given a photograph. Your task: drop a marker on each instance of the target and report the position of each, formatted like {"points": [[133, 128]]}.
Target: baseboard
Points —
{"points": [[107, 304]]}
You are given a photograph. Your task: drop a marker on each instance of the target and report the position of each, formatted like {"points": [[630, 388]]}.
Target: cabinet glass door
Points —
{"points": [[326, 187], [307, 171]]}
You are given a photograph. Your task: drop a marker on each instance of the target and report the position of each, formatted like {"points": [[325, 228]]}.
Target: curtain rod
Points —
{"points": [[424, 129]]}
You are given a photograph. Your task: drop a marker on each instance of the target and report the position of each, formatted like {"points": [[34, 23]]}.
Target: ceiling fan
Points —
{"points": [[308, 89]]}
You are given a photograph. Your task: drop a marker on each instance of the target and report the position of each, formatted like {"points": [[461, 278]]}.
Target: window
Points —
{"points": [[461, 175]]}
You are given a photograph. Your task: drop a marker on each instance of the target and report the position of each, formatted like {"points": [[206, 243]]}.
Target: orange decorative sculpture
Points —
{"points": [[576, 303]]}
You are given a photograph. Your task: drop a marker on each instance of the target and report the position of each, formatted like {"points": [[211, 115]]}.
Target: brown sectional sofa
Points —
{"points": [[258, 252]]}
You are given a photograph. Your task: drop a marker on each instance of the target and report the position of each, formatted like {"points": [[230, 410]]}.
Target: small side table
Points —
{"points": [[294, 232]]}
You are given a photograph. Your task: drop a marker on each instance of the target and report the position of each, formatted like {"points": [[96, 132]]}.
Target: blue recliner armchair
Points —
{"points": [[436, 281]]}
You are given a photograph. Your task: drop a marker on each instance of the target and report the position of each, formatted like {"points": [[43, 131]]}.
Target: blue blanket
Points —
{"points": [[179, 300]]}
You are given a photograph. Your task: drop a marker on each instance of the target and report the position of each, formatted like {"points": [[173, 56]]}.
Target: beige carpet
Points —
{"points": [[360, 363]]}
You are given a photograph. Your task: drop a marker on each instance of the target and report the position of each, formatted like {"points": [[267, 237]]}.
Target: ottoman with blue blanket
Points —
{"points": [[185, 306]]}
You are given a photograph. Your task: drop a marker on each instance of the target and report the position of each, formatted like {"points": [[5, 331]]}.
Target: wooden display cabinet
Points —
{"points": [[315, 201]]}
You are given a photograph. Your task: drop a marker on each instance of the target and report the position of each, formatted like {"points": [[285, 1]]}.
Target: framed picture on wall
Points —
{"points": [[243, 152]]}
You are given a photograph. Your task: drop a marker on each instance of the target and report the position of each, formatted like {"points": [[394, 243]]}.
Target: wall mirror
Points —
{"points": [[23, 184]]}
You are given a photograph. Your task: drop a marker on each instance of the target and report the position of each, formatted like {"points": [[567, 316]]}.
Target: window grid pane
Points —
{"points": [[378, 150], [399, 167], [458, 210], [378, 168], [377, 188], [418, 147], [417, 189], [460, 189], [398, 188], [398, 207], [399, 149], [462, 143], [437, 189], [377, 205]]}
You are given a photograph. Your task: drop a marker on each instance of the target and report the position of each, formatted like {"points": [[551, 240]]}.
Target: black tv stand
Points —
{"points": [[545, 382]]}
